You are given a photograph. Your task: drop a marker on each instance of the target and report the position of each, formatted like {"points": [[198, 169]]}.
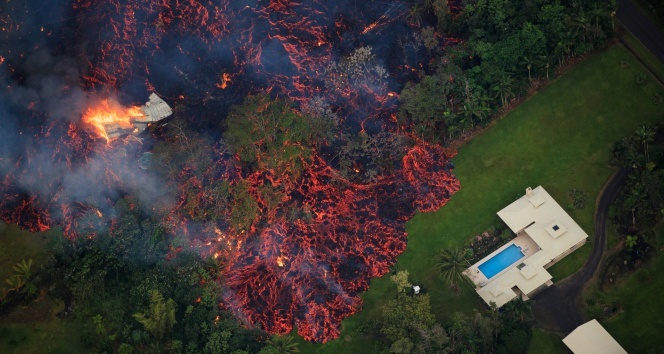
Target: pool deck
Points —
{"points": [[544, 232], [522, 240]]}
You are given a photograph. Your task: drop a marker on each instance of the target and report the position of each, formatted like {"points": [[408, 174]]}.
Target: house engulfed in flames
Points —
{"points": [[153, 111]]}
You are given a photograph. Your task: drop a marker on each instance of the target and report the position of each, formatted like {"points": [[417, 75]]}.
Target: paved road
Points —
{"points": [[558, 308], [637, 23]]}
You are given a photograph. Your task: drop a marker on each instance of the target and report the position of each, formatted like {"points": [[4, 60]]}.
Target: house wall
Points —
{"points": [[538, 289]]}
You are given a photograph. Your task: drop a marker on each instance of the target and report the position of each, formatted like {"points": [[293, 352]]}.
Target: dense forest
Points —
{"points": [[508, 48]]}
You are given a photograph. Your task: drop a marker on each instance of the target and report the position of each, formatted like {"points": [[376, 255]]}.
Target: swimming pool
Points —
{"points": [[500, 261]]}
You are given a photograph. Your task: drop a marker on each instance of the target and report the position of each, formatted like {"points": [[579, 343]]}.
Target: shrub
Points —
{"points": [[578, 198]]}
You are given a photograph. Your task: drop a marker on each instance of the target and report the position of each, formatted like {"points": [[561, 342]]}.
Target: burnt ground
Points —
{"points": [[558, 308]]}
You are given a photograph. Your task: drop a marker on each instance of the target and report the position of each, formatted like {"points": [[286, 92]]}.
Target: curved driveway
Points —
{"points": [[558, 307]]}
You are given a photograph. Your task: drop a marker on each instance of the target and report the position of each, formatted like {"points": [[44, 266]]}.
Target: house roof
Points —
{"points": [[592, 338], [541, 218], [528, 272], [155, 109], [517, 215]]}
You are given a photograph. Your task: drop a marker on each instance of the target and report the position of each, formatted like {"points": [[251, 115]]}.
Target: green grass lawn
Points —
{"points": [[637, 326], [33, 328], [561, 139], [37, 329], [16, 245], [546, 343]]}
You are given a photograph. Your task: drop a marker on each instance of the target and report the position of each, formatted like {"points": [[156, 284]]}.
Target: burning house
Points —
{"points": [[113, 123]]}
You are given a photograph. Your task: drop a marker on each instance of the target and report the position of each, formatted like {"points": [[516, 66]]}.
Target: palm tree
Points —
{"points": [[23, 269], [582, 25], [564, 48], [450, 118], [545, 61], [451, 264], [645, 135], [518, 309], [160, 317], [15, 282], [597, 11], [283, 344], [503, 88], [528, 63], [415, 15], [471, 110], [634, 199], [631, 241], [22, 273]]}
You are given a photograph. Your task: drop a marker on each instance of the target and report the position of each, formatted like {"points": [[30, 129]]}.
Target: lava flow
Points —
{"points": [[309, 273], [203, 57]]}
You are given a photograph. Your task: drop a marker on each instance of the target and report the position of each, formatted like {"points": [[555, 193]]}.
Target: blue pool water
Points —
{"points": [[502, 260]]}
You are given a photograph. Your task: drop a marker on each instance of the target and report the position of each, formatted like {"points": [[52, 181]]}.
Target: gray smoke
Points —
{"points": [[40, 96]]}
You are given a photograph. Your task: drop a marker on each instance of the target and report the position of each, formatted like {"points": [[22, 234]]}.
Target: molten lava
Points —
{"points": [[310, 273], [305, 270]]}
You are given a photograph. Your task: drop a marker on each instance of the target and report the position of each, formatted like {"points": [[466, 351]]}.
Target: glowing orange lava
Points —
{"points": [[109, 115]]}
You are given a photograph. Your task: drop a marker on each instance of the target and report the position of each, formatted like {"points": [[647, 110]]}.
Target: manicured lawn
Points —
{"points": [[546, 343], [639, 325], [560, 139]]}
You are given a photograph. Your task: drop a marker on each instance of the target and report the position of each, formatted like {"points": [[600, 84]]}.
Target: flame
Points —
{"points": [[108, 113], [280, 260], [99, 213], [225, 80]]}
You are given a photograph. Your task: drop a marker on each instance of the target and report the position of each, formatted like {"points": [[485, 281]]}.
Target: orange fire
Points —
{"points": [[110, 115], [281, 261], [225, 80]]}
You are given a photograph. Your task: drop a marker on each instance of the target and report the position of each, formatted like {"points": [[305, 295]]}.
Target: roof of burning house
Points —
{"points": [[155, 110]]}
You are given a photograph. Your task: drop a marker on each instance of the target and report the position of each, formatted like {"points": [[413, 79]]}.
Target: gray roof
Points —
{"points": [[155, 110]]}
